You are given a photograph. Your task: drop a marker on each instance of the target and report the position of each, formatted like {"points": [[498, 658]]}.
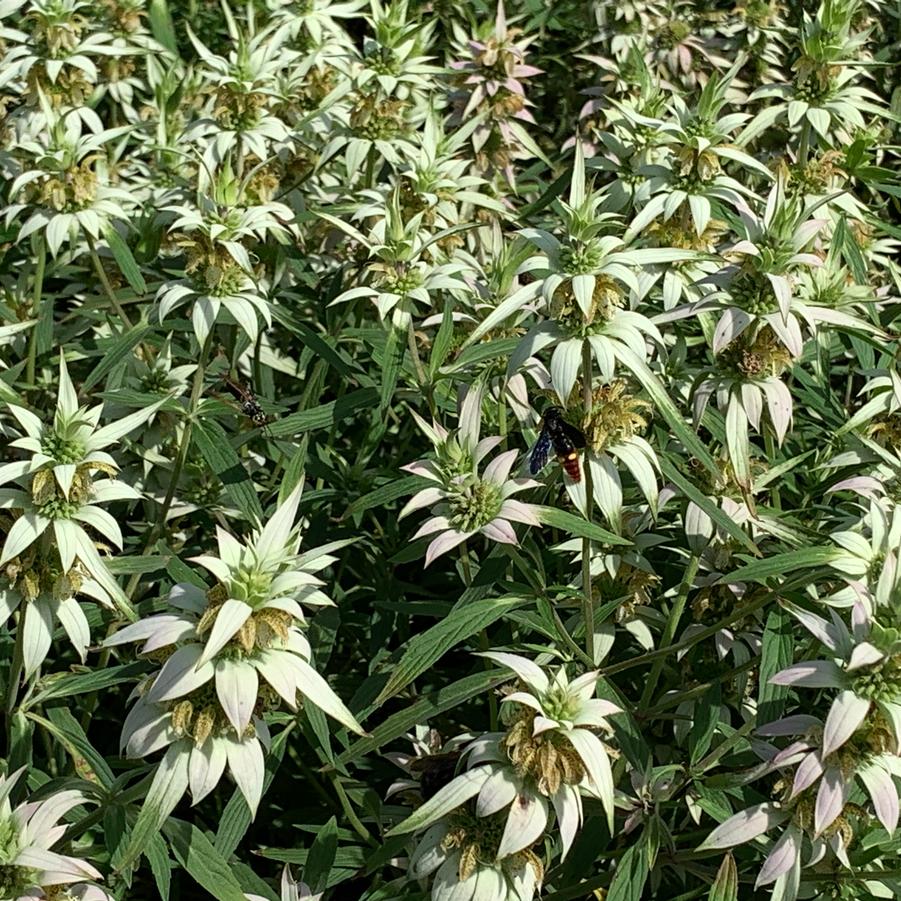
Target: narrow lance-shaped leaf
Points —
{"points": [[744, 826]]}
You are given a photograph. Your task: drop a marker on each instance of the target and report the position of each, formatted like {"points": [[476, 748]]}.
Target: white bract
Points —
{"points": [[62, 189], [291, 890], [466, 503], [28, 865], [50, 553], [548, 756], [232, 653]]}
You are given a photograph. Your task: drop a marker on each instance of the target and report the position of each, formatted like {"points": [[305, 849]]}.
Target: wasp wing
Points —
{"points": [[576, 436], [540, 453]]}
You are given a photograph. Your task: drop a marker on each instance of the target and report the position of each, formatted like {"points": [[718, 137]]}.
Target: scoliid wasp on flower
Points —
{"points": [[565, 439]]}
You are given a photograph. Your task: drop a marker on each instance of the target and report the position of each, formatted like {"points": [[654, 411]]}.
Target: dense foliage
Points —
{"points": [[453, 451]]}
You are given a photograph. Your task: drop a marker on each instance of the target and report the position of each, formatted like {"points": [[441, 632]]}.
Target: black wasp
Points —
{"points": [[250, 406], [564, 438], [434, 771]]}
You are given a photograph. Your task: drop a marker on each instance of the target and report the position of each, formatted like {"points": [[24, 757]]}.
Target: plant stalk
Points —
{"points": [[804, 146], [15, 675], [770, 445], [588, 599], [37, 297], [669, 630], [350, 813], [484, 643], [421, 377], [107, 287], [181, 456], [702, 635]]}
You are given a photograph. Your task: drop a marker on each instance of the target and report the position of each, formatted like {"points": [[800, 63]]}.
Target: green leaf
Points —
{"points": [[430, 705], [21, 741], [385, 495], [629, 736], [325, 415], [139, 563], [252, 883], [320, 726], [169, 784], [67, 730], [161, 25], [443, 340], [554, 189], [705, 716], [725, 886], [776, 655], [479, 353], [223, 460], [667, 408], [726, 523], [392, 362], [127, 263], [67, 685], [119, 349], [850, 250], [630, 875], [235, 819], [426, 648], [197, 855], [115, 829], [783, 564], [577, 526], [347, 857], [321, 857], [160, 865], [318, 344], [180, 571], [139, 399]]}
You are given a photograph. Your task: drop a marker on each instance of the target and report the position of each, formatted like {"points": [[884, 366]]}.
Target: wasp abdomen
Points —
{"points": [[570, 464]]}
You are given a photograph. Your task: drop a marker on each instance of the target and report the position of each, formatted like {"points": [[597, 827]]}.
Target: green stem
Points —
{"points": [[350, 813], [724, 747], [370, 168], [39, 268], [568, 640], [673, 699], [421, 376], [775, 493], [181, 457], [669, 630], [257, 364], [702, 635], [588, 600], [90, 704], [484, 643], [15, 675], [104, 280], [502, 414], [804, 146], [231, 343]]}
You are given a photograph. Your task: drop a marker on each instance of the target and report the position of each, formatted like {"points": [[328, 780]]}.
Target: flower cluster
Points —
{"points": [[622, 282]]}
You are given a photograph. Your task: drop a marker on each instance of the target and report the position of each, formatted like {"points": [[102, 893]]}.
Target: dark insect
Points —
{"points": [[434, 771], [250, 406], [565, 439]]}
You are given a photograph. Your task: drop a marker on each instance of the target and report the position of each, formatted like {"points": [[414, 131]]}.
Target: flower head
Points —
{"points": [[49, 553], [207, 701], [551, 737], [28, 866], [461, 852]]}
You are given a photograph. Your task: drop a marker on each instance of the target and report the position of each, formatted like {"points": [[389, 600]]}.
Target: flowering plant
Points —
{"points": [[451, 450]]}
